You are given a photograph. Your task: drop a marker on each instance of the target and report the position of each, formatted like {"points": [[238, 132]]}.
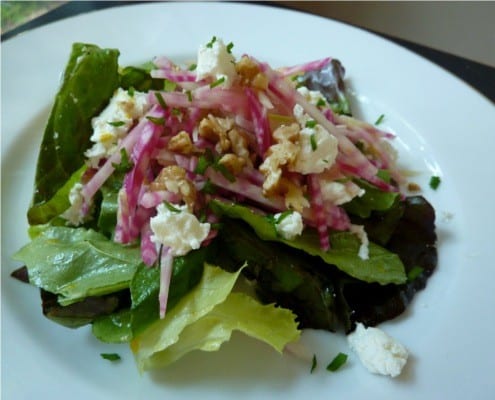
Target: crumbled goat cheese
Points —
{"points": [[317, 147], [290, 225], [215, 61], [359, 231], [312, 96], [339, 193], [73, 214], [114, 122], [378, 352], [178, 229]]}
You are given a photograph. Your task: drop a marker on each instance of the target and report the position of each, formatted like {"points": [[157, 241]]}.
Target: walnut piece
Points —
{"points": [[250, 74], [173, 178], [214, 129], [181, 143], [232, 162]]}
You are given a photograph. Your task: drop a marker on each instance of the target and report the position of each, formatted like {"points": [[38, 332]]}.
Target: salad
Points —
{"points": [[176, 203]]}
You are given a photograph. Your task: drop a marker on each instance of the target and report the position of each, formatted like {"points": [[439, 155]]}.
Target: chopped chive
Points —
{"points": [[131, 91], [116, 123], [216, 226], [161, 100], [209, 188], [282, 216], [380, 119], [414, 273], [339, 360], [321, 102], [296, 77], [168, 85], [189, 95], [110, 356], [155, 120], [314, 364], [204, 161], [229, 47], [435, 182], [210, 43], [314, 144], [311, 123], [176, 112], [224, 171], [192, 67], [125, 164], [217, 82], [170, 207]]}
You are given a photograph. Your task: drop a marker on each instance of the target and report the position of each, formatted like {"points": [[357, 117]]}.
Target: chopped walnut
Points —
{"points": [[287, 133], [181, 143], [279, 155], [232, 162], [240, 144], [293, 194], [173, 178], [215, 130], [250, 74]]}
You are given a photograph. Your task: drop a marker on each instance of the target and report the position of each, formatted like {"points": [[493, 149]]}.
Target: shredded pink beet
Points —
{"points": [[310, 66], [260, 121], [166, 266], [148, 248], [319, 211]]}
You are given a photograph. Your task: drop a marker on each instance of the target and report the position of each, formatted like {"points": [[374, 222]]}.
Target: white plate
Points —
{"points": [[444, 127]]}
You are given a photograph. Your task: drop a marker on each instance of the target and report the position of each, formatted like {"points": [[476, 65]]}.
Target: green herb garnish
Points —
{"points": [[339, 360], [321, 103], [110, 356], [380, 119], [229, 47], [312, 140], [156, 120], [169, 86], [171, 207], [414, 273], [314, 363], [189, 95], [161, 100], [177, 112], [209, 188], [310, 124], [210, 43], [131, 91], [217, 82], [116, 123], [192, 67], [435, 182], [125, 164]]}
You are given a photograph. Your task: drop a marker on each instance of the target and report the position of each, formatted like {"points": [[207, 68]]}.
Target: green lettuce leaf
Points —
{"points": [[382, 266], [76, 263], [373, 199], [89, 80], [206, 317]]}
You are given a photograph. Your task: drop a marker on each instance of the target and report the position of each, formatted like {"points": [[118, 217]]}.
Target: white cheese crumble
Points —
{"points": [[178, 229], [339, 193], [378, 352], [359, 231], [114, 122], [73, 214], [289, 226], [216, 62], [312, 96], [317, 147]]}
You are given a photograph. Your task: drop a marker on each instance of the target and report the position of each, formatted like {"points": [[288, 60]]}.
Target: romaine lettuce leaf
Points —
{"points": [[89, 80], [76, 263], [206, 317], [382, 266]]}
